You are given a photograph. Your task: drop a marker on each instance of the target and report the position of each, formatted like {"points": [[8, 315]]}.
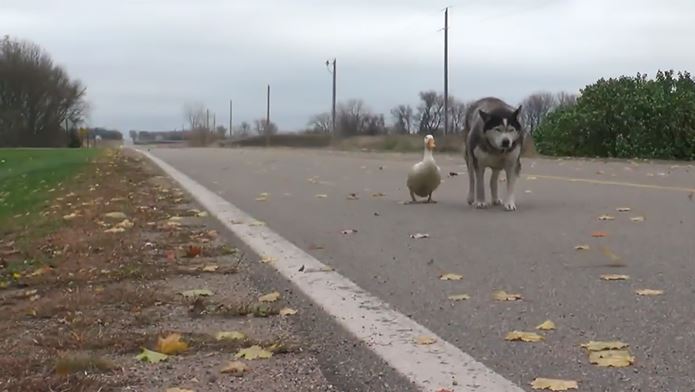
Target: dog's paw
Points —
{"points": [[497, 202], [510, 206], [480, 205], [470, 200]]}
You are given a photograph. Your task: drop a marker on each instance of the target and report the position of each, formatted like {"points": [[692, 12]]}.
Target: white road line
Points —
{"points": [[388, 333]]}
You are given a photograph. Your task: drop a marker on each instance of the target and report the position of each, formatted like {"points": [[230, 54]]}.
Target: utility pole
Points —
{"points": [[267, 118], [230, 118], [214, 122], [446, 70], [332, 71], [207, 119]]}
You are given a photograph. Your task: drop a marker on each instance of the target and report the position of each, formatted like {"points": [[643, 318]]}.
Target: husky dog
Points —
{"points": [[494, 137]]}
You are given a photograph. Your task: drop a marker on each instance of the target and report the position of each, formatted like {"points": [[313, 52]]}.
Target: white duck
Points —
{"points": [[424, 177]]}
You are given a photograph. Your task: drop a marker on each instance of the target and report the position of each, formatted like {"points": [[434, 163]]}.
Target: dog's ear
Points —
{"points": [[515, 114], [484, 115]]}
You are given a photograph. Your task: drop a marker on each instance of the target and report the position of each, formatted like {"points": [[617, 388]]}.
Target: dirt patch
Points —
{"points": [[117, 260]]}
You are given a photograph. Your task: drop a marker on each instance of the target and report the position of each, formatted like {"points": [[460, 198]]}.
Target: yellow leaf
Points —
{"points": [[253, 352], [501, 295], [230, 335], [321, 196], [614, 277], [267, 259], [235, 368], [172, 344], [459, 297], [450, 276], [271, 297], [523, 336], [611, 358], [151, 356], [425, 340], [115, 215], [179, 390], [637, 219], [211, 268], [114, 230], [553, 384], [604, 345], [196, 293], [582, 247], [606, 218], [263, 196], [287, 312], [125, 224], [649, 292], [70, 216], [623, 209], [547, 325]]}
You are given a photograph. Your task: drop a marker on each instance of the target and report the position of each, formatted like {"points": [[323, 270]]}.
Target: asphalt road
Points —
{"points": [[530, 251]]}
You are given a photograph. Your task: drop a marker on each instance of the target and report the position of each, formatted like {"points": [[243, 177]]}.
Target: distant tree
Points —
{"points": [[195, 114], [37, 97], [535, 108], [402, 119], [221, 131], [244, 129], [320, 123], [429, 113], [133, 135], [262, 127], [350, 117], [564, 99], [457, 113], [374, 124]]}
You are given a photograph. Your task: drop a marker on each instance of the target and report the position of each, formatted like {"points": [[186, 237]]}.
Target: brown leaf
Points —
{"points": [[211, 268], [450, 276], [459, 297], [649, 292], [501, 295], [582, 247], [547, 325], [637, 219], [623, 209], [171, 345], [349, 231], [353, 196], [611, 358], [599, 234], [606, 218], [287, 312], [553, 384], [599, 345], [425, 340], [193, 251], [378, 194], [614, 277], [235, 368], [270, 297], [523, 336]]}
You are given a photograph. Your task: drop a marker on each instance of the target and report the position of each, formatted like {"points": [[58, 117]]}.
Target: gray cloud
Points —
{"points": [[142, 60]]}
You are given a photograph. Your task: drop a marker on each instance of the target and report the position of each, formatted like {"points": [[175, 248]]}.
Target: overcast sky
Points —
{"points": [[143, 59]]}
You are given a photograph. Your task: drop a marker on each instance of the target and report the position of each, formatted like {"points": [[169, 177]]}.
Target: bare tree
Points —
{"points": [[535, 107], [350, 117], [374, 124], [37, 97], [320, 123], [457, 114], [244, 129], [221, 131], [195, 114], [429, 112], [262, 127], [402, 119], [564, 99]]}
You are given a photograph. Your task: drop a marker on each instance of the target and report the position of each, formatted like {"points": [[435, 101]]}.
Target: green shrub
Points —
{"points": [[626, 117]]}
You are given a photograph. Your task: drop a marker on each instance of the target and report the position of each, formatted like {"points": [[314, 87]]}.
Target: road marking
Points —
{"points": [[388, 333], [605, 182]]}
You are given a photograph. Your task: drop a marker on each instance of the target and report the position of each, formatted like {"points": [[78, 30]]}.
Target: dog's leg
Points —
{"points": [[471, 180], [496, 201], [512, 172], [480, 187]]}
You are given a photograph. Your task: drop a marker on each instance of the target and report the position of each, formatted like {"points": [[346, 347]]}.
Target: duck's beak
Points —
{"points": [[431, 145]]}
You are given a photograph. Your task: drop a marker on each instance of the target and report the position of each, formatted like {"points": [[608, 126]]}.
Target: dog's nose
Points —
{"points": [[505, 143]]}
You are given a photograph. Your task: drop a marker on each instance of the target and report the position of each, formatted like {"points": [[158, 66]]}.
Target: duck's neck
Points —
{"points": [[428, 155]]}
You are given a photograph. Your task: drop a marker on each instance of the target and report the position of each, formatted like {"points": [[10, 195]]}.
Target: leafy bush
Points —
{"points": [[626, 117]]}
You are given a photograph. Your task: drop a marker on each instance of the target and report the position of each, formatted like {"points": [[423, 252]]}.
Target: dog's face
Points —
{"points": [[501, 129]]}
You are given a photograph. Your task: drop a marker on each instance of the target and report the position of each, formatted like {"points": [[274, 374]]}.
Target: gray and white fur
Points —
{"points": [[494, 138]]}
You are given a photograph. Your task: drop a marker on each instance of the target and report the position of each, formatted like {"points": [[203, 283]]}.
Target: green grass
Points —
{"points": [[29, 177]]}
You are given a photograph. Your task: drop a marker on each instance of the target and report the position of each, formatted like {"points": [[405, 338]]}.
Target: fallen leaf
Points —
{"points": [[151, 356], [348, 231], [230, 335], [501, 295], [610, 254], [171, 345], [41, 271], [425, 340], [114, 230], [523, 336], [450, 276], [321, 196], [287, 312], [599, 234], [253, 352], [623, 209], [70, 216], [599, 345], [459, 297], [606, 218], [257, 223], [547, 325], [235, 368], [353, 196], [268, 259], [611, 358], [528, 191], [262, 196], [553, 384], [270, 297], [378, 194], [649, 292], [125, 224], [637, 219], [453, 174], [614, 277], [202, 214], [211, 268], [315, 247], [582, 247], [179, 390], [196, 293], [419, 235], [115, 215], [193, 251]]}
